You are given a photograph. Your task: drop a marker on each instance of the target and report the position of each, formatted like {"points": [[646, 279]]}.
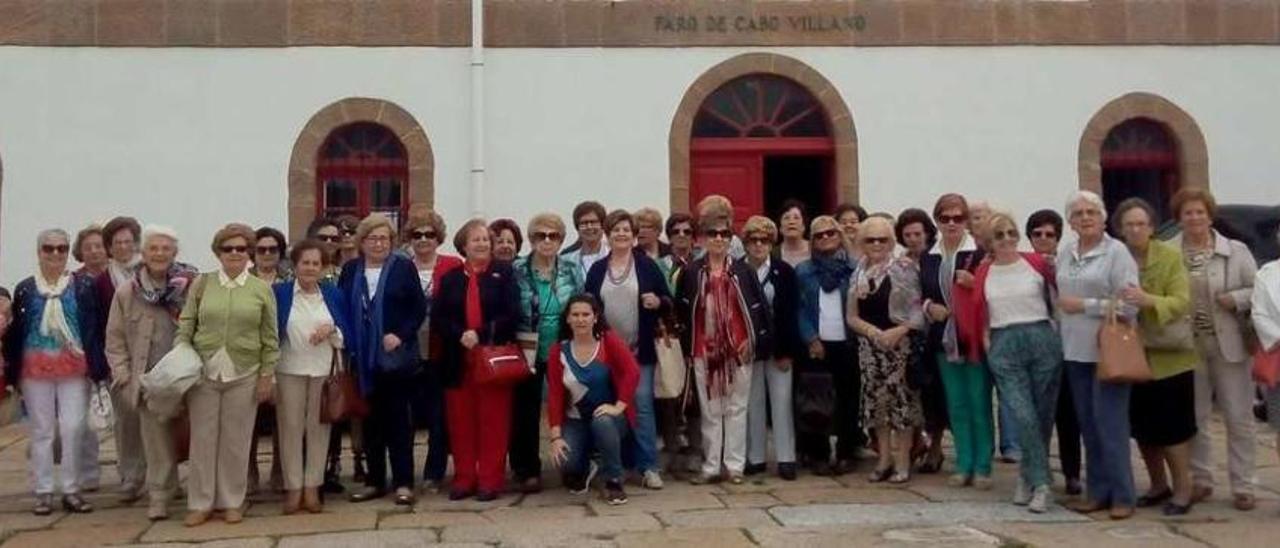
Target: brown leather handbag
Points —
{"points": [[1121, 355], [340, 396]]}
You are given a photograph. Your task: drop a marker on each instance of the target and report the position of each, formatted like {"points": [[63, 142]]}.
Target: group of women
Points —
{"points": [[880, 331]]}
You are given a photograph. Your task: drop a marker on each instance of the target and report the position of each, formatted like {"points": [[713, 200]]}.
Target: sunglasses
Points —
{"points": [[1043, 234], [348, 232], [724, 234], [1010, 234], [55, 249], [952, 219], [546, 236], [267, 250], [759, 240], [831, 233], [328, 238], [681, 232], [241, 249], [423, 234], [877, 241]]}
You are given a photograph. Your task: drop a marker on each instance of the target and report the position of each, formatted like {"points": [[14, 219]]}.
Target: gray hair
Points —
{"points": [[159, 231], [45, 234], [1088, 197]]}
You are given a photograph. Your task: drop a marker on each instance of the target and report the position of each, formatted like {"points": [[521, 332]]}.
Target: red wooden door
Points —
{"points": [[738, 176]]}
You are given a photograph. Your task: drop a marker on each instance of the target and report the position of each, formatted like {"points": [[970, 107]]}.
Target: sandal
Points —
{"points": [[44, 505], [900, 477], [73, 503], [880, 474], [931, 465], [1151, 499]]}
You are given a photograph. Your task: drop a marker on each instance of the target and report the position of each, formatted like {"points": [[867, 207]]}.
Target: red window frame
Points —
{"points": [[358, 153]]}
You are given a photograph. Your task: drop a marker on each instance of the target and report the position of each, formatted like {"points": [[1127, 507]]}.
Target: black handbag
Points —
{"points": [[815, 401]]}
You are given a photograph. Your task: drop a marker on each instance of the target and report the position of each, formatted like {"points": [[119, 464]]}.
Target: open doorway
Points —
{"points": [[803, 178]]}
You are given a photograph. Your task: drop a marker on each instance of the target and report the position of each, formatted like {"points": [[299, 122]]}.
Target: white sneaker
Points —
{"points": [[1040, 499], [1021, 495], [652, 480]]}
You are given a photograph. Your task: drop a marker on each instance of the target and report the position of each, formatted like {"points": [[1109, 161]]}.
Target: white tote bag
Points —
{"points": [[102, 416], [170, 379], [670, 376]]}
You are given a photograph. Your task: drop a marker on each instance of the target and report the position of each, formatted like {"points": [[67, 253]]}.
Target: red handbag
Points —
{"points": [[498, 364], [1266, 366]]}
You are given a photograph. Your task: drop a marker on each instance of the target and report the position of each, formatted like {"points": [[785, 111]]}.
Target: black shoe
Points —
{"points": [[843, 466], [530, 486], [486, 496], [1073, 486], [613, 493], [822, 468], [359, 475], [460, 494], [367, 494], [754, 469], [1174, 509], [332, 486], [1152, 499], [73, 503], [787, 471], [44, 505], [404, 497]]}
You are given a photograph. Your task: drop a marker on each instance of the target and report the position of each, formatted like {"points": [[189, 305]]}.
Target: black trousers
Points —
{"points": [[841, 361], [388, 432], [1068, 431], [526, 425], [431, 399]]}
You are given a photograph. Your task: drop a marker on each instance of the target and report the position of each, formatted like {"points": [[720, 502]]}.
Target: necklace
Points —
{"points": [[626, 273]]}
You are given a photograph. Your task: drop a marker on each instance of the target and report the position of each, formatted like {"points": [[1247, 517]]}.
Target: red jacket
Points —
{"points": [[615, 354], [1037, 263]]}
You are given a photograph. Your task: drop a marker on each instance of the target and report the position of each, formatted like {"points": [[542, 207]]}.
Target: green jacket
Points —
{"points": [[1164, 277], [242, 319]]}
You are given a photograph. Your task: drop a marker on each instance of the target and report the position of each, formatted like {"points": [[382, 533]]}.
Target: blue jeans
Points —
{"points": [[642, 446], [601, 435], [1103, 411]]}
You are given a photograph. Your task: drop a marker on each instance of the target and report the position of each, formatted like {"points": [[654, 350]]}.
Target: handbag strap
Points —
{"points": [[333, 363]]}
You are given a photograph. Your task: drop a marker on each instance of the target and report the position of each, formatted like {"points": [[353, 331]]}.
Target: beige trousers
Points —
{"points": [[1229, 386], [301, 432], [157, 445], [131, 462], [222, 417]]}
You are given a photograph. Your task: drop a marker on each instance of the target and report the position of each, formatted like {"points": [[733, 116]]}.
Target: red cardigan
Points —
{"points": [[615, 354], [983, 316]]}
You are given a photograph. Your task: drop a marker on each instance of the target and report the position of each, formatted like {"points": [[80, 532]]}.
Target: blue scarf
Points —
{"points": [[831, 270], [368, 323]]}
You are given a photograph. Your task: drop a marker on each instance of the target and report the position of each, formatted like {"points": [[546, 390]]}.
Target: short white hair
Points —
{"points": [[46, 234], [159, 231], [1088, 197]]}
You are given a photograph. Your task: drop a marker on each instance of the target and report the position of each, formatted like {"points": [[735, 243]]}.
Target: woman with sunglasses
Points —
{"points": [[51, 354], [824, 288], [634, 294], [966, 381], [546, 282], [1015, 306], [424, 233], [230, 321], [269, 265], [730, 326]]}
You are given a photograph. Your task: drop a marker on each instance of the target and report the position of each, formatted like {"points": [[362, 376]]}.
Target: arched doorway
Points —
{"points": [[761, 128], [362, 169], [1140, 160]]}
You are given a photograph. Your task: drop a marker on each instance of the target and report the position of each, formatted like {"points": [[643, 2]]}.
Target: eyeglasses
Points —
{"points": [[681, 232], [546, 236], [329, 238], [62, 249], [760, 240], [377, 239], [1010, 234], [952, 219], [826, 234], [877, 240], [589, 223], [241, 249], [423, 234], [1043, 234], [1086, 212], [267, 249], [724, 234]]}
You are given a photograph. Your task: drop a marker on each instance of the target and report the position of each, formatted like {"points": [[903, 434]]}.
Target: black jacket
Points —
{"points": [[759, 316], [786, 314], [87, 316], [499, 304], [967, 258], [650, 280]]}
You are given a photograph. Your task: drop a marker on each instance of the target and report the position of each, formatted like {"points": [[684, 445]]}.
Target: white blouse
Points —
{"points": [[298, 355]]}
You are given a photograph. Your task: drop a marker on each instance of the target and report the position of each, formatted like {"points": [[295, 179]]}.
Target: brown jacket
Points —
{"points": [[138, 334]]}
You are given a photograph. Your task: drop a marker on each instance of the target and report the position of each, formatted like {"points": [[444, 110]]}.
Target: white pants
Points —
{"points": [[301, 432], [131, 461], [724, 421], [90, 471], [60, 404], [774, 386], [1230, 385]]}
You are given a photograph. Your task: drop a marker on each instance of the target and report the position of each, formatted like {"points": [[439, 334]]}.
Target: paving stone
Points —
{"points": [[945, 493], [440, 503], [10, 523], [512, 514], [235, 543], [300, 524], [400, 538], [1105, 533], [1264, 533], [762, 483], [431, 519], [742, 517], [663, 502], [556, 497], [820, 515], [749, 500], [545, 533], [82, 536], [104, 517], [844, 536], [846, 495], [682, 538]]}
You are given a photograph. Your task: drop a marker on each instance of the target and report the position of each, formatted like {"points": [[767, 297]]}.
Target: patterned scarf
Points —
{"points": [[173, 294], [53, 321], [831, 270], [725, 332]]}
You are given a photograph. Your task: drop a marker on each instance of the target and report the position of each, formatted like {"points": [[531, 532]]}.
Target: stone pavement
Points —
{"points": [[812, 511]]}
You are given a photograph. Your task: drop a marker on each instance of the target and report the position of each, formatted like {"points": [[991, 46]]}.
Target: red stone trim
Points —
{"points": [[1193, 155], [302, 163], [633, 23], [846, 139]]}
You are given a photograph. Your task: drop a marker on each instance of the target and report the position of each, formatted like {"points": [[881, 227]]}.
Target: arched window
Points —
{"points": [[1140, 159], [363, 168], [761, 105]]}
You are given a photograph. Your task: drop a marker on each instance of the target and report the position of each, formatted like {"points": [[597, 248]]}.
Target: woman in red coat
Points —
{"points": [[591, 386]]}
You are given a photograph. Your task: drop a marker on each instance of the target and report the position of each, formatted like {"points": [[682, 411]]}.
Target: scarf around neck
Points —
{"points": [[725, 329], [173, 294], [831, 270], [53, 320]]}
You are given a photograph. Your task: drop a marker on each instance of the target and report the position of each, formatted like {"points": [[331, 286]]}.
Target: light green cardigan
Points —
{"points": [[1164, 277], [242, 319]]}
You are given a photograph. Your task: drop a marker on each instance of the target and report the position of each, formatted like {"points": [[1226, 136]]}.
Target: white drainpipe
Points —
{"points": [[477, 107]]}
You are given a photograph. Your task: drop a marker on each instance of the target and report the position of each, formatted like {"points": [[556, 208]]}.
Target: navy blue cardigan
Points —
{"points": [[334, 300], [89, 323], [650, 280], [499, 306], [406, 305], [968, 257]]}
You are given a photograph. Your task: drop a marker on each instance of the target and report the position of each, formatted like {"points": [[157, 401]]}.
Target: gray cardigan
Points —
{"points": [[1231, 270]]}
